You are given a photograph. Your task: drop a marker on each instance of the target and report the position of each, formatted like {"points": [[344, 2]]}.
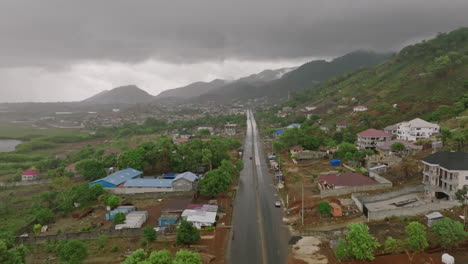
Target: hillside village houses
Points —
{"points": [[369, 138], [416, 129], [444, 173]]}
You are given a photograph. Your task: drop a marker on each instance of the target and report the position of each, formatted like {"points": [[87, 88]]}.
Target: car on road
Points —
{"points": [[277, 203]]}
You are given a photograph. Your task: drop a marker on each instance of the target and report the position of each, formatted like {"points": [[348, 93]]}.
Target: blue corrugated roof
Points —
{"points": [[278, 132], [161, 183], [120, 176], [188, 176]]}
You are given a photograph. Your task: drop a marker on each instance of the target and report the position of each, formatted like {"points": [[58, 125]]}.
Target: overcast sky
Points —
{"points": [[68, 50]]}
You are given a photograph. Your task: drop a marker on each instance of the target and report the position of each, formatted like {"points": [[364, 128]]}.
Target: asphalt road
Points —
{"points": [[258, 234]]}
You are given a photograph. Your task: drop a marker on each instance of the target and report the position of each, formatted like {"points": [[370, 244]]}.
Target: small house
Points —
{"points": [[433, 218], [186, 181], [30, 175], [359, 108]]}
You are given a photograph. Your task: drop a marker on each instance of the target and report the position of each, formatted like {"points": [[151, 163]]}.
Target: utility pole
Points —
{"points": [[302, 203]]}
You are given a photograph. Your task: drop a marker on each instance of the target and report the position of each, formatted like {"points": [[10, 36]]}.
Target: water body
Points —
{"points": [[8, 144]]}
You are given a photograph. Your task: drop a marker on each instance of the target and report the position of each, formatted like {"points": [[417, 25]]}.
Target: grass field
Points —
{"points": [[25, 130]]}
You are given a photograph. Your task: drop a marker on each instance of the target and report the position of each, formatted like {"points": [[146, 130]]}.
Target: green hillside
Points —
{"points": [[419, 79]]}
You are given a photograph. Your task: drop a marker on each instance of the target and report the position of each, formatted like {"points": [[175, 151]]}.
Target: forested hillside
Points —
{"points": [[419, 79]]}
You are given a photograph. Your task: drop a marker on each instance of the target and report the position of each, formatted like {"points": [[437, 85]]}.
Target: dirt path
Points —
{"points": [[307, 249]]}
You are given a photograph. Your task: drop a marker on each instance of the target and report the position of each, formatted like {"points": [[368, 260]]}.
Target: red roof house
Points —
{"points": [[370, 137], [29, 175], [345, 180]]}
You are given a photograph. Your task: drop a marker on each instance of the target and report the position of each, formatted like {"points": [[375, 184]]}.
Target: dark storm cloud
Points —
{"points": [[62, 32]]}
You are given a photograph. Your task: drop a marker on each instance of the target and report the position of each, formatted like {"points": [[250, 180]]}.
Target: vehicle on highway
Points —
{"points": [[277, 203], [250, 157]]}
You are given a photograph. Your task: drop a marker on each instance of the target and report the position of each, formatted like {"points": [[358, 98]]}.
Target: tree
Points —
{"points": [[91, 169], [450, 232], [72, 251], [43, 216], [133, 158], [160, 257], [112, 201], [207, 157], [187, 234], [119, 218], [324, 208], [149, 234], [417, 236], [10, 254], [187, 257], [462, 196], [397, 146], [361, 244], [214, 182]]}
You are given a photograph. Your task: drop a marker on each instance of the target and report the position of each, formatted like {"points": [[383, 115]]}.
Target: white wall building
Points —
{"points": [[416, 129], [359, 108], [445, 172]]}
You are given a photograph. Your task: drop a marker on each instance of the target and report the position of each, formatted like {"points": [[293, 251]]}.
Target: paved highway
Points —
{"points": [[259, 235]]}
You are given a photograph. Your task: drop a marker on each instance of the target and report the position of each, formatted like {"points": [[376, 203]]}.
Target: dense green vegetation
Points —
{"points": [[163, 257]]}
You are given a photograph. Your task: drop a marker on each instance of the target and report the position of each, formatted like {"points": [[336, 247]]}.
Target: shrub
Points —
{"points": [[324, 208], [114, 248], [417, 236], [361, 244], [72, 251], [119, 218], [450, 232], [187, 234], [149, 234], [393, 245]]}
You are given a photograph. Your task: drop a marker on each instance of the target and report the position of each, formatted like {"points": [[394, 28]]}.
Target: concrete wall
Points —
{"points": [[412, 210], [89, 235], [382, 184], [389, 195], [183, 185], [139, 190], [158, 195], [353, 189]]}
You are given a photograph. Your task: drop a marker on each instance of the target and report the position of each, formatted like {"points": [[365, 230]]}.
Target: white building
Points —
{"points": [[444, 173], [359, 108], [416, 129]]}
